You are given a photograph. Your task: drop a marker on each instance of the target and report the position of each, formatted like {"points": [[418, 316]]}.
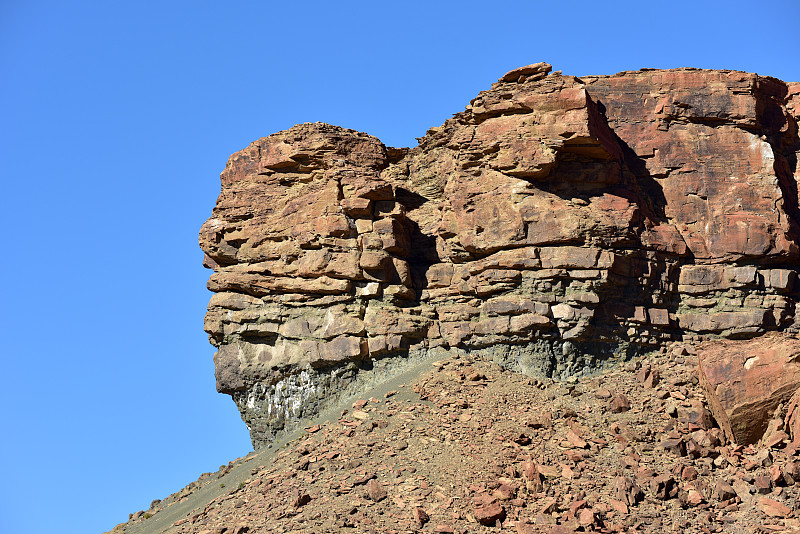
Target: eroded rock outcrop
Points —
{"points": [[554, 225]]}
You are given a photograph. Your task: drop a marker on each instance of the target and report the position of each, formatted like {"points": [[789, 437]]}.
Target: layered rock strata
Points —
{"points": [[556, 224]]}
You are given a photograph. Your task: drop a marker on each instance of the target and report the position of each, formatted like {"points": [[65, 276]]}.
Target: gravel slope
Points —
{"points": [[468, 446], [197, 495]]}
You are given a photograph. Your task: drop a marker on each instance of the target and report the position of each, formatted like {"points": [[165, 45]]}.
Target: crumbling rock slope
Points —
{"points": [[470, 447], [556, 224]]}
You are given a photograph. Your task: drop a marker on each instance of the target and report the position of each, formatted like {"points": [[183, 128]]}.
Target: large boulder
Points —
{"points": [[747, 380]]}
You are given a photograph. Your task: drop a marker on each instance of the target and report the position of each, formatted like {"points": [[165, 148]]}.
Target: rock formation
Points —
{"points": [[556, 224]]}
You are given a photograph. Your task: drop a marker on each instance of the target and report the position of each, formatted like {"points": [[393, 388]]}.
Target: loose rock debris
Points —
{"points": [[508, 453]]}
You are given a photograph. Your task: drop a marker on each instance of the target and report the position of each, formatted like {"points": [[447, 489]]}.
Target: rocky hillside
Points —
{"points": [[469, 446], [556, 226]]}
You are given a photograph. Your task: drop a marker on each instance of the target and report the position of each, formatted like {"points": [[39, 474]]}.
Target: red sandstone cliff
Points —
{"points": [[555, 224]]}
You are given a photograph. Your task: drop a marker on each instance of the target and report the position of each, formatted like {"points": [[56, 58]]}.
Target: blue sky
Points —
{"points": [[118, 119]]}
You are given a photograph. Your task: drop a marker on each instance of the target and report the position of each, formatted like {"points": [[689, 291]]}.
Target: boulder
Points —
{"points": [[746, 380]]}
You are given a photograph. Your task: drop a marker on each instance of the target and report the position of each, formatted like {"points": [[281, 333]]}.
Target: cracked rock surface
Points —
{"points": [[556, 224]]}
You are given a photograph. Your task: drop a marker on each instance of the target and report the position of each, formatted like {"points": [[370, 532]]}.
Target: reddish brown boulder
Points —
{"points": [[420, 517], [723, 491], [675, 445], [619, 404], [746, 380], [696, 414], [490, 514], [773, 508], [586, 517], [627, 491]]}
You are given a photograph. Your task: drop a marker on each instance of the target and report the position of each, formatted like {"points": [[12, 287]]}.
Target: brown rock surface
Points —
{"points": [[746, 381], [554, 225]]}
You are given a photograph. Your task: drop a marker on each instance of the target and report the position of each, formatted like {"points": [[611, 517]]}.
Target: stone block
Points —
{"points": [[746, 380]]}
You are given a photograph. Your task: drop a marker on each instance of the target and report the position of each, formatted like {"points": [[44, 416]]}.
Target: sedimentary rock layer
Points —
{"points": [[556, 223]]}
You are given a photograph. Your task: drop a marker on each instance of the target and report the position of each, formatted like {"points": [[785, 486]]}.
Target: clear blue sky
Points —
{"points": [[117, 120]]}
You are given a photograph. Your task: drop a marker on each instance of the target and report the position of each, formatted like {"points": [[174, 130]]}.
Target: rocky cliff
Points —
{"points": [[555, 225]]}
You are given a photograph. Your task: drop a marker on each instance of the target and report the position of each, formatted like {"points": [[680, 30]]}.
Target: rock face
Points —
{"points": [[554, 225], [746, 381]]}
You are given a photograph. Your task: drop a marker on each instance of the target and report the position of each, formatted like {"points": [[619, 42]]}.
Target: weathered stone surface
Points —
{"points": [[792, 420], [722, 206], [555, 224], [746, 380]]}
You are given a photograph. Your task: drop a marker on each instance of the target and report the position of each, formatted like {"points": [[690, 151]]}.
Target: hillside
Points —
{"points": [[470, 447]]}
